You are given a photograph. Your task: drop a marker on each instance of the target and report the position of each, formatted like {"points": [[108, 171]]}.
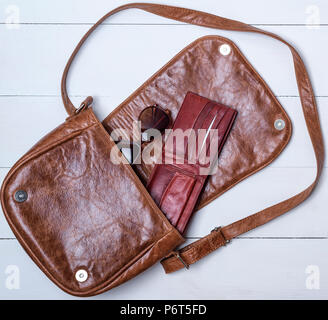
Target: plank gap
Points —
{"points": [[158, 24], [269, 238]]}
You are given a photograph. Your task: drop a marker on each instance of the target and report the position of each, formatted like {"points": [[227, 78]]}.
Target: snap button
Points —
{"points": [[225, 49], [81, 275], [279, 124], [21, 196]]}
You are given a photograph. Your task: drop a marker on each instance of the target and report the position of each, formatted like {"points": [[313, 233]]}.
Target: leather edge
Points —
{"points": [[288, 126], [176, 239], [93, 291]]}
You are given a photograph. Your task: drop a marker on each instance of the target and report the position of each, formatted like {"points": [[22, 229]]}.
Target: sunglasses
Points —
{"points": [[152, 117]]}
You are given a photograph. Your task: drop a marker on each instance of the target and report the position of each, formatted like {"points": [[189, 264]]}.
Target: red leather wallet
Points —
{"points": [[175, 184]]}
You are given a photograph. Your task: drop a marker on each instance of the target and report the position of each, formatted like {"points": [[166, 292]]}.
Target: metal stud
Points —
{"points": [[225, 49], [81, 275], [279, 124], [21, 196]]}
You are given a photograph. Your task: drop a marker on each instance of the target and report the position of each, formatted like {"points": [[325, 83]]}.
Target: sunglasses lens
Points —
{"points": [[154, 118]]}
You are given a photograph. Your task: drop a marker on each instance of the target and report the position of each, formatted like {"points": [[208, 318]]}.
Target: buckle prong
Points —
{"points": [[177, 254], [216, 229]]}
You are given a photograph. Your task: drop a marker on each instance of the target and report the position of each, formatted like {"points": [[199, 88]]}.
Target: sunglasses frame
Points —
{"points": [[166, 112]]}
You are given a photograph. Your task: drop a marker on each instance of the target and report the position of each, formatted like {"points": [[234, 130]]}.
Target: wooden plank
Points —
{"points": [[262, 190], [5, 231], [252, 11], [257, 192], [24, 120], [246, 269], [272, 262], [34, 58]]}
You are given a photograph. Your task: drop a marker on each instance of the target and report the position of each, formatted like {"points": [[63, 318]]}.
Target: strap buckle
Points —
{"points": [[216, 229], [84, 105], [177, 254]]}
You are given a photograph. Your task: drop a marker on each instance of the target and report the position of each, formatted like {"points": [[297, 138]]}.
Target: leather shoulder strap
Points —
{"points": [[220, 236]]}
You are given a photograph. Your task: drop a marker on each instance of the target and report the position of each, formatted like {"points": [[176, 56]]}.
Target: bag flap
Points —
{"points": [[227, 77], [86, 220]]}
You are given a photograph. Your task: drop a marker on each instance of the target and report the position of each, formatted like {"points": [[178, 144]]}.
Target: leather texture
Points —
{"points": [[306, 94], [76, 217], [83, 211], [229, 80], [176, 184]]}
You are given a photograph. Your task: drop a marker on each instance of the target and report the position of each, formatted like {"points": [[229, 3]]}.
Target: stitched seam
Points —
{"points": [[251, 69], [142, 188]]}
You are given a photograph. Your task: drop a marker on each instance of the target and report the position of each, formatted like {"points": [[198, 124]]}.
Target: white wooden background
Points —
{"points": [[285, 259]]}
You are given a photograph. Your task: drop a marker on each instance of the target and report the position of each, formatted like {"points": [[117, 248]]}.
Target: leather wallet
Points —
{"points": [[176, 182]]}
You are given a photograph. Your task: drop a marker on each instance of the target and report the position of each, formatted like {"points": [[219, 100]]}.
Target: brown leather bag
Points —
{"points": [[90, 224]]}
